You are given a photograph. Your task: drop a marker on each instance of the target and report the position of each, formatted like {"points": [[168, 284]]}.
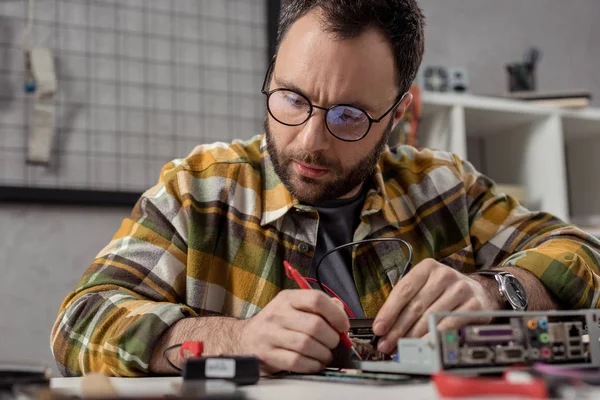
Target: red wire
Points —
{"points": [[331, 292]]}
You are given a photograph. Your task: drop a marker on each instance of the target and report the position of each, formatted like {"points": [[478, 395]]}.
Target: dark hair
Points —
{"points": [[401, 21]]}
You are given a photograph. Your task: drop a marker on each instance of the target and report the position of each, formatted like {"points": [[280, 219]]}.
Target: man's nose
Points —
{"points": [[314, 135]]}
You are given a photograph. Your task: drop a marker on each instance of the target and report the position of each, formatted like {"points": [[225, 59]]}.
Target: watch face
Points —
{"points": [[515, 292]]}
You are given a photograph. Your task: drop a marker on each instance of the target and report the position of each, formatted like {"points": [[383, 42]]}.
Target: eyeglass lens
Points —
{"points": [[343, 121]]}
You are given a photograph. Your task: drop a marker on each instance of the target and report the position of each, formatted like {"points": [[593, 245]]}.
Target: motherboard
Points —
{"points": [[516, 340], [361, 334], [511, 338]]}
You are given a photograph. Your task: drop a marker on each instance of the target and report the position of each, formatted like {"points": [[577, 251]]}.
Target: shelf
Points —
{"points": [[484, 122], [511, 141], [487, 115], [485, 103], [582, 124]]}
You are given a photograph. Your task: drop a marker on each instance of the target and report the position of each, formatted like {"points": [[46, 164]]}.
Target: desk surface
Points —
{"points": [[288, 389]]}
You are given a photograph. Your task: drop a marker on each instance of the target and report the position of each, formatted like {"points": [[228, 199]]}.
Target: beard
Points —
{"points": [[314, 191]]}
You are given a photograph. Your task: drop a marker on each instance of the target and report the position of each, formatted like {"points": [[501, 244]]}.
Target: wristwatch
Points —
{"points": [[510, 288]]}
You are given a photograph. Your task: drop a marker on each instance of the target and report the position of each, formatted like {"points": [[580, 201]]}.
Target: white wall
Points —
{"points": [[485, 35], [44, 251]]}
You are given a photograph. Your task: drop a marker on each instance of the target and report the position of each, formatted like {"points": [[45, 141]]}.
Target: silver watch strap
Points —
{"points": [[490, 272]]}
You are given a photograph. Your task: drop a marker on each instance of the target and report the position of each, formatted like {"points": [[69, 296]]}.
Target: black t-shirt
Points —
{"points": [[338, 219]]}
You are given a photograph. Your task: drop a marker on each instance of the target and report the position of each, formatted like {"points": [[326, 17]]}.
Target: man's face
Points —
{"points": [[312, 163]]}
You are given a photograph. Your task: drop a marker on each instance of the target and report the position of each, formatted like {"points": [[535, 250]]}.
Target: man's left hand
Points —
{"points": [[430, 287]]}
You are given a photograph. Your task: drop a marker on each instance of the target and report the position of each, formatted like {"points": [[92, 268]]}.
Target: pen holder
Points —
{"points": [[521, 77]]}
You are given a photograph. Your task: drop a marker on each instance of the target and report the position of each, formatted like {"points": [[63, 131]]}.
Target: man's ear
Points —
{"points": [[401, 109]]}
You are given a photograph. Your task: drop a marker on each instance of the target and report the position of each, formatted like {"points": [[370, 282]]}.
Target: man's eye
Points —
{"points": [[348, 118], [295, 100]]}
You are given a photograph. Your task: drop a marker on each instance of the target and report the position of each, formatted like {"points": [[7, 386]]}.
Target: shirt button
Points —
{"points": [[303, 248]]}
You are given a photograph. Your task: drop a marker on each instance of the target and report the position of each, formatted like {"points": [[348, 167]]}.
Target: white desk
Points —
{"points": [[267, 389]]}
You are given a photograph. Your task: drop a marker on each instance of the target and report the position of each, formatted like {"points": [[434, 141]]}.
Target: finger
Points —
{"points": [[317, 302], [339, 303], [450, 300], [401, 295], [417, 307], [303, 344], [285, 360], [313, 325], [451, 323]]}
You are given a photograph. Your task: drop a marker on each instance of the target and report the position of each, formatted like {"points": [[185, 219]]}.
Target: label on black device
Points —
{"points": [[219, 368]]}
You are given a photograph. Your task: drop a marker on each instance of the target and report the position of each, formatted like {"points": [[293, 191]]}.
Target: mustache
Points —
{"points": [[317, 159]]}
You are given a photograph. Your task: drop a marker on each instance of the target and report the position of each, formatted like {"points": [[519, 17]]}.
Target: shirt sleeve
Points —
{"points": [[563, 257], [132, 292]]}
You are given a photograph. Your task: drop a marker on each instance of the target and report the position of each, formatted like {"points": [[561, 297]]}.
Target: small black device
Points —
{"points": [[17, 379], [510, 288], [443, 79], [241, 370]]}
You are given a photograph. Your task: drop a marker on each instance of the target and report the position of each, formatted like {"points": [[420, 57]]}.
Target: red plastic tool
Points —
{"points": [[292, 273], [452, 385], [191, 350]]}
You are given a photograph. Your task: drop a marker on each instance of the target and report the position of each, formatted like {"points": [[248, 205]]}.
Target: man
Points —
{"points": [[201, 256]]}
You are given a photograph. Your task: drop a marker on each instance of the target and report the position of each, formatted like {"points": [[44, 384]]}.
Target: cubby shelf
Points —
{"points": [[552, 152]]}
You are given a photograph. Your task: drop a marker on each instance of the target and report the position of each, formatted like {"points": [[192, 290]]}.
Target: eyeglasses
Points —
{"points": [[344, 121]]}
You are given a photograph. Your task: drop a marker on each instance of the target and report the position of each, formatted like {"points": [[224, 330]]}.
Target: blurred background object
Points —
{"points": [[521, 75], [443, 79], [140, 83]]}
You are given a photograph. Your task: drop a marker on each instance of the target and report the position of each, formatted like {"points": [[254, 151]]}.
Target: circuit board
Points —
{"points": [[512, 338], [361, 334], [519, 339]]}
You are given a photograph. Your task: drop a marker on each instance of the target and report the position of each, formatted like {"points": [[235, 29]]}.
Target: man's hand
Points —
{"points": [[295, 332], [428, 288]]}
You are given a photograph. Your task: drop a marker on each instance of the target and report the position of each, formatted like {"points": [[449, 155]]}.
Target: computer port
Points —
{"points": [[491, 333], [558, 349], [476, 355], [510, 354], [449, 341], [558, 352], [543, 323], [575, 330], [532, 324], [479, 354], [557, 332], [575, 348], [534, 341], [534, 354], [450, 337], [544, 338], [575, 354], [546, 352], [451, 356]]}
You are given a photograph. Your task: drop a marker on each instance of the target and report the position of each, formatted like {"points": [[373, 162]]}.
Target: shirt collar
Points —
{"points": [[377, 200], [277, 200]]}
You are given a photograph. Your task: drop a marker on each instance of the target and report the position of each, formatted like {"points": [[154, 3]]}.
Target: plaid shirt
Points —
{"points": [[211, 236]]}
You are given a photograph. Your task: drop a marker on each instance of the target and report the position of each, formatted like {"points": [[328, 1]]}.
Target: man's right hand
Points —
{"points": [[295, 332]]}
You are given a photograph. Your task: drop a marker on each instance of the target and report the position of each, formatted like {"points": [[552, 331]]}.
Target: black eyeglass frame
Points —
{"points": [[312, 106]]}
